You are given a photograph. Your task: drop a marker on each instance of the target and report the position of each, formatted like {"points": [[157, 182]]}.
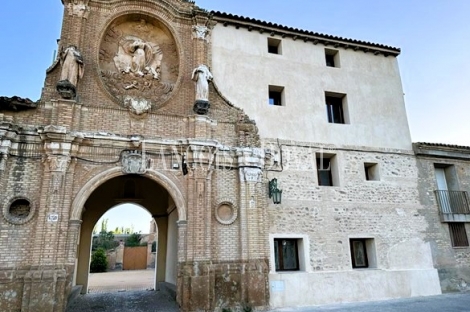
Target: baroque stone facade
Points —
{"points": [[152, 109]]}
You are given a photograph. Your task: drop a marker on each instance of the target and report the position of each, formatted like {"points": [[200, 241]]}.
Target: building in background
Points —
{"points": [[444, 182], [277, 163]]}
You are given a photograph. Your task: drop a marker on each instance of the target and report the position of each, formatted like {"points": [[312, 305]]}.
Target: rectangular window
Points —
{"points": [[274, 46], [276, 95], [327, 169], [332, 58], [371, 171], [362, 253], [324, 172], [458, 234], [334, 109], [286, 254]]}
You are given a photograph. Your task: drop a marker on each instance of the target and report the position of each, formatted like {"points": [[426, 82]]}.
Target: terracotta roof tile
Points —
{"points": [[242, 19]]}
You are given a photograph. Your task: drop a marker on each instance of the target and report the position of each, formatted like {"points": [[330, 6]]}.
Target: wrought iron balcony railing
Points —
{"points": [[453, 202]]}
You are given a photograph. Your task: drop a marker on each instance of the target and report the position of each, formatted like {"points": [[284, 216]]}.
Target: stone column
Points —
{"points": [[75, 14], [249, 177], [162, 226], [201, 36]]}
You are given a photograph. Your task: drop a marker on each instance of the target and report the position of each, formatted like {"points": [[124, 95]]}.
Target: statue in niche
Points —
{"points": [[201, 75], [72, 70], [139, 58]]}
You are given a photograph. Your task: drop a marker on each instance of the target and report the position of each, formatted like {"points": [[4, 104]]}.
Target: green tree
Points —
{"points": [[99, 262], [104, 225], [104, 240], [134, 240]]}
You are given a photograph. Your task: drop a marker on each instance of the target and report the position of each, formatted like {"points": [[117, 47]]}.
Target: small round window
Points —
{"points": [[18, 211]]}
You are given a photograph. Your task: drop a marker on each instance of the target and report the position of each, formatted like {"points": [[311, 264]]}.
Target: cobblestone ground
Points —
{"points": [[126, 301]]}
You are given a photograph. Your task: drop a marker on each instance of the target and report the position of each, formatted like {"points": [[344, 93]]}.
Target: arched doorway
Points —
{"points": [[128, 235], [110, 188]]}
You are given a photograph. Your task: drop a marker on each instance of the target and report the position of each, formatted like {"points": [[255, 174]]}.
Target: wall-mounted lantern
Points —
{"points": [[274, 192]]}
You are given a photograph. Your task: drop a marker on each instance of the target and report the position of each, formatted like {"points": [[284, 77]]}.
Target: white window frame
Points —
{"points": [[303, 249]]}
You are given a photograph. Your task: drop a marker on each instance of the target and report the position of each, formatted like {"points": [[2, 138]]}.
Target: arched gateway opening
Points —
{"points": [[152, 191]]}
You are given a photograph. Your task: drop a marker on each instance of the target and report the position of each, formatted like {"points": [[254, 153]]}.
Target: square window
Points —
{"points": [[332, 58], [276, 95], [327, 169], [458, 234], [362, 253], [274, 46], [335, 108], [286, 254], [371, 171]]}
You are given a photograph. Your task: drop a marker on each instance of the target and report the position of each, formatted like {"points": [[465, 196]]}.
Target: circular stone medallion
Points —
{"points": [[226, 213]]}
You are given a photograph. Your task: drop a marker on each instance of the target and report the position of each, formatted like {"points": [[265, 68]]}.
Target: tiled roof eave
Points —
{"points": [[299, 34], [442, 150]]}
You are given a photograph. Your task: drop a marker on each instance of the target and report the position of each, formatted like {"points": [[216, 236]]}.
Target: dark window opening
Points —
{"points": [[358, 253], [274, 46], [372, 172], [286, 254], [458, 235], [330, 60], [275, 98], [324, 171], [334, 108]]}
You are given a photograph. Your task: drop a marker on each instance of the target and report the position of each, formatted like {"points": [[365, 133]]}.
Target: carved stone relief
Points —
{"points": [[58, 163], [78, 8], [133, 162], [200, 32], [250, 175], [139, 63]]}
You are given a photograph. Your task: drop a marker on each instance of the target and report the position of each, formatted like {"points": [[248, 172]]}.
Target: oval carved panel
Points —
{"points": [[139, 62]]}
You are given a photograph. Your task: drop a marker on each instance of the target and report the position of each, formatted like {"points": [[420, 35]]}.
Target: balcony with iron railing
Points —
{"points": [[453, 206]]}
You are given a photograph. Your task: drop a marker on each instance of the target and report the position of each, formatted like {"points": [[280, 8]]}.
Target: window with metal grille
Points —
{"points": [[458, 235]]}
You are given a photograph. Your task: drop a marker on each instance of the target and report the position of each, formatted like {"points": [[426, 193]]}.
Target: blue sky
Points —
{"points": [[434, 36]]}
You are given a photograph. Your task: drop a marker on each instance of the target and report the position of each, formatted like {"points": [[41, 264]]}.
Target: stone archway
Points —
{"points": [[154, 191]]}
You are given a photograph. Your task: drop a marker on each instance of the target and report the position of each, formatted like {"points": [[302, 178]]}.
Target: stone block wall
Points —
{"points": [[452, 263], [326, 217]]}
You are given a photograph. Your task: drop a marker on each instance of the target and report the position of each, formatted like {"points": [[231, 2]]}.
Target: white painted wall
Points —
{"points": [[307, 289], [172, 249], [243, 69]]}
